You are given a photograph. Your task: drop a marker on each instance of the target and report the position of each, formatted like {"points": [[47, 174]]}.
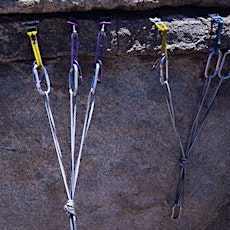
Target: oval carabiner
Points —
{"points": [[38, 80], [176, 211], [221, 66], [164, 70], [210, 56], [74, 79]]}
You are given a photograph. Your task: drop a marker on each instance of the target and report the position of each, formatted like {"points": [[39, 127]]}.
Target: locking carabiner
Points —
{"points": [[221, 66], [161, 26], [31, 30]]}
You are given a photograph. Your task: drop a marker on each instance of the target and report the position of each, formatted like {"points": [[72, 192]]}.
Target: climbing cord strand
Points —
{"points": [[164, 76], [164, 79], [199, 120], [92, 95], [40, 73]]}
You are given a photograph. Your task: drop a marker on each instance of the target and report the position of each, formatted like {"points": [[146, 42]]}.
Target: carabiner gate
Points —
{"points": [[210, 56], [38, 79], [221, 66], [74, 79], [164, 70]]}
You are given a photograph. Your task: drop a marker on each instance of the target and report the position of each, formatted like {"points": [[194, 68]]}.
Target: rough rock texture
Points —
{"points": [[129, 171], [128, 35], [130, 167], [32, 6]]}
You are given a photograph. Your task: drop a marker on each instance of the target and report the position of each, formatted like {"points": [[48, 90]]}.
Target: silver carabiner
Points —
{"points": [[38, 80], [219, 53], [176, 211], [164, 70], [73, 79], [221, 66]]}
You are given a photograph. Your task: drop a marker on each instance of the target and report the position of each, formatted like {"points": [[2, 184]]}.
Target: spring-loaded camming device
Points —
{"points": [[39, 70], [101, 38], [31, 30]]}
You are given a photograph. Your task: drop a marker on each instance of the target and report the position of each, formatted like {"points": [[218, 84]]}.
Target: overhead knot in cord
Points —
{"points": [[69, 208], [183, 161]]}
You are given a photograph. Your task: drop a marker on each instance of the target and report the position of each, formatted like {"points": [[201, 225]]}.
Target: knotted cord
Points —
{"points": [[75, 78], [199, 119]]}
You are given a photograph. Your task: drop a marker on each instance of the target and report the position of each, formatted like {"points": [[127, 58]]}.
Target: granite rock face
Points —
{"points": [[42, 6], [130, 164], [126, 36]]}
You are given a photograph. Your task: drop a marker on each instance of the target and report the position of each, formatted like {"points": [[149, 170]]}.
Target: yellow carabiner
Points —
{"points": [[161, 26], [32, 33]]}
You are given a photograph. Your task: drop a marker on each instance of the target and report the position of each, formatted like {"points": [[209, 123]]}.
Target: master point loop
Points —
{"points": [[69, 208]]}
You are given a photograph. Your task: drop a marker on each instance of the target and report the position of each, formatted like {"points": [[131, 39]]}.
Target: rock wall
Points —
{"points": [[42, 6], [129, 171]]}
